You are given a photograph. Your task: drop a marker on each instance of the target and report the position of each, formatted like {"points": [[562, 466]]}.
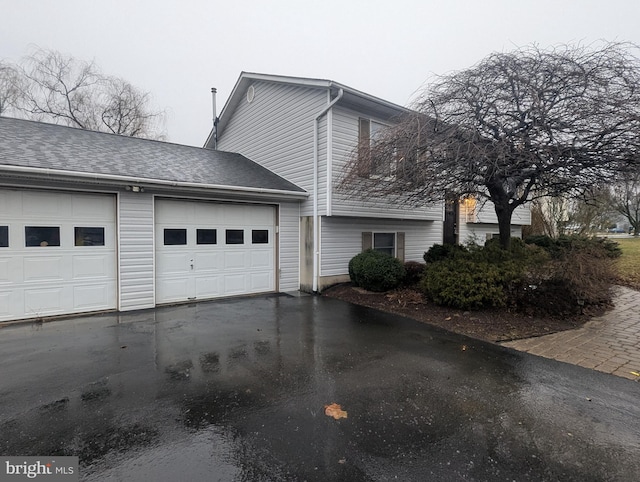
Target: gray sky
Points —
{"points": [[178, 49]]}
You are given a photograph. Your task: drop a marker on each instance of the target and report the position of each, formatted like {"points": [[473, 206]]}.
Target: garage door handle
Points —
{"points": [[191, 264]]}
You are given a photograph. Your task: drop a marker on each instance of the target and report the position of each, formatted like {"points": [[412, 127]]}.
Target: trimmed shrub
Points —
{"points": [[438, 252], [468, 283], [559, 247], [413, 273], [376, 271]]}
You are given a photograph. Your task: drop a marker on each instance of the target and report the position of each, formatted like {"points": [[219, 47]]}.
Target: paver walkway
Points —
{"points": [[609, 343]]}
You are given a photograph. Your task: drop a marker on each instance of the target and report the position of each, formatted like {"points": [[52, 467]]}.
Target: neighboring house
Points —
{"points": [[92, 221], [305, 130]]}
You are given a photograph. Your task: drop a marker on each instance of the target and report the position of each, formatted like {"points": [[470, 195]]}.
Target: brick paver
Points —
{"points": [[609, 343]]}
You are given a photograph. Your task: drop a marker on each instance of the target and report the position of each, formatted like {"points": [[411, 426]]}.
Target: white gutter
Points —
{"points": [[153, 182], [316, 243]]}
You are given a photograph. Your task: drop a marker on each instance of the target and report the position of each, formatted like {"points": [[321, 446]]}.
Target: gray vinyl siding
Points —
{"points": [[345, 138], [289, 247], [341, 239], [135, 214], [276, 131]]}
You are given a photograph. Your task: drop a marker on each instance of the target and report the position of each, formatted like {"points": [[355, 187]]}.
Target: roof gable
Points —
{"points": [[351, 98]]}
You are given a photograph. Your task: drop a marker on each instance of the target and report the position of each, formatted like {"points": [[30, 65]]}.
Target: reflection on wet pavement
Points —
{"points": [[236, 390]]}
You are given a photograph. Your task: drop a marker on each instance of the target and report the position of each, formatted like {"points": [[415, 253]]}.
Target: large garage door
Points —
{"points": [[209, 250], [57, 253]]}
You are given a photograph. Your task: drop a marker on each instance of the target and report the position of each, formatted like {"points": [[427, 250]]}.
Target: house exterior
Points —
{"points": [[305, 130], [92, 221]]}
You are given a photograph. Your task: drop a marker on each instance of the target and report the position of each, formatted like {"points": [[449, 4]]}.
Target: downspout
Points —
{"points": [[316, 241]]}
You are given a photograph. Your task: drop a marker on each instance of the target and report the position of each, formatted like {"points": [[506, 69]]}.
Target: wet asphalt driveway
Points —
{"points": [[235, 391]]}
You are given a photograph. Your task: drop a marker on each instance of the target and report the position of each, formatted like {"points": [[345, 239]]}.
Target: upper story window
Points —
{"points": [[372, 166]]}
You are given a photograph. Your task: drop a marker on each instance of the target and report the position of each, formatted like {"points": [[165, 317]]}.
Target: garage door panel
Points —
{"points": [[87, 297], [235, 284], [171, 263], [235, 260], [92, 267], [43, 205], [260, 281], [261, 258], [174, 289], [207, 261], [5, 304], [208, 286], [43, 268], [42, 301], [5, 270]]}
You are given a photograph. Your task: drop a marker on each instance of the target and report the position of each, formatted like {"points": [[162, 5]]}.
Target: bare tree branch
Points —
{"points": [[515, 127], [60, 88]]}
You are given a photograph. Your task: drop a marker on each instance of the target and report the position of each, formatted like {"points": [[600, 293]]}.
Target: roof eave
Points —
{"points": [[48, 174]]}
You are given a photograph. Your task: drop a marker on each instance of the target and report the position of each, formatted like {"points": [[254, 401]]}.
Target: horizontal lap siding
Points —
{"points": [[289, 246], [342, 239], [472, 233], [276, 131], [136, 251], [345, 139]]}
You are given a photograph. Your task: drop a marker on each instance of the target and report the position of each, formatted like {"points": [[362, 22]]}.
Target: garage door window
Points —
{"points": [[235, 236], [4, 236], [42, 235], [259, 236], [206, 236], [89, 236], [175, 237]]}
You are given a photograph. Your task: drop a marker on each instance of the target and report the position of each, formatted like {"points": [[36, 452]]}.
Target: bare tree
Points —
{"points": [[625, 199], [63, 89], [10, 87], [514, 127]]}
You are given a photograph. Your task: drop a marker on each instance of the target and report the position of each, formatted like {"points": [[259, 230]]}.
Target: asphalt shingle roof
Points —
{"points": [[40, 145]]}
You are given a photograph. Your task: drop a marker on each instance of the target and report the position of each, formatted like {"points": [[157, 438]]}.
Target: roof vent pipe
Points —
{"points": [[214, 91]]}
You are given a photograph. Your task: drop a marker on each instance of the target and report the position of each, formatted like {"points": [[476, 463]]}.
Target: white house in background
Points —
{"points": [[92, 221], [305, 130]]}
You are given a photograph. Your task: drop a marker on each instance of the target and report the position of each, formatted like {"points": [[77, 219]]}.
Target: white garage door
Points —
{"points": [[209, 250], [57, 253]]}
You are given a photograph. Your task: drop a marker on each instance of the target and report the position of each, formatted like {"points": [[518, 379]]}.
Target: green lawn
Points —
{"points": [[629, 262]]}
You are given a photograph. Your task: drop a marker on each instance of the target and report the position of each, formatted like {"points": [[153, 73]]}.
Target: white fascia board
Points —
{"points": [[54, 174]]}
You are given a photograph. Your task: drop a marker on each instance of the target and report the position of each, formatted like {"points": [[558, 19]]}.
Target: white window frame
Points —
{"points": [[381, 248]]}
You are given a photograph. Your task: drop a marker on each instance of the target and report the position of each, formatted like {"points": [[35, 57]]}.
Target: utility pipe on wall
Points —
{"points": [[316, 241]]}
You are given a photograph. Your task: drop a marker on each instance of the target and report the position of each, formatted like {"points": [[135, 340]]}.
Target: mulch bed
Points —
{"points": [[495, 325]]}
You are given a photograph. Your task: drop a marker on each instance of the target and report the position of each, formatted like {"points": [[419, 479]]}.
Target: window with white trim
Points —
{"points": [[385, 243], [391, 243], [368, 131]]}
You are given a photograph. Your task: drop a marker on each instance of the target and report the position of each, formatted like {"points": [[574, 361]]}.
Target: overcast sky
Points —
{"points": [[178, 49]]}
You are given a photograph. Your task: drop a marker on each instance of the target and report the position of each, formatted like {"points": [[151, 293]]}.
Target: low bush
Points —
{"points": [[438, 252], [413, 273], [376, 271], [561, 246]]}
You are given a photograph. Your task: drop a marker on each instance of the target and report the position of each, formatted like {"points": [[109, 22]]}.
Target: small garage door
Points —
{"points": [[208, 250], [57, 253]]}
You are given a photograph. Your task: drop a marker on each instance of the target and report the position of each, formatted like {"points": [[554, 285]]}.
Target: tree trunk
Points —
{"points": [[504, 214]]}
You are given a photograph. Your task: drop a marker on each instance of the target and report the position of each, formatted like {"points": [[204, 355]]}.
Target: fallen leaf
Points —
{"points": [[447, 318], [334, 410]]}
